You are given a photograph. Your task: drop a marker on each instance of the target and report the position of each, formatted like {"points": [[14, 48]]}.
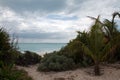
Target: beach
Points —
{"points": [[108, 72]]}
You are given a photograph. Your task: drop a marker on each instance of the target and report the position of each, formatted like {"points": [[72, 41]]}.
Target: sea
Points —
{"points": [[40, 48]]}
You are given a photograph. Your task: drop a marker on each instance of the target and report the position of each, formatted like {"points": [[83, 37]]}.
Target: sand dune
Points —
{"points": [[109, 72]]}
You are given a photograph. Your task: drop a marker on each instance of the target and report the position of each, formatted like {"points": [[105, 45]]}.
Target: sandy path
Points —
{"points": [[79, 74]]}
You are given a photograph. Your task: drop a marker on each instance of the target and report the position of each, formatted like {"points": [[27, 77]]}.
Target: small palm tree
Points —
{"points": [[111, 33], [111, 27], [96, 47]]}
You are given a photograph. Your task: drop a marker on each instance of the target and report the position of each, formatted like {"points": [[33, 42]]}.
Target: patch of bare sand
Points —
{"points": [[109, 73]]}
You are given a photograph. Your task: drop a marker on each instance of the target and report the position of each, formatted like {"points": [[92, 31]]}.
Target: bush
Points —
{"points": [[28, 58], [8, 54], [112, 58], [54, 62], [74, 50], [7, 48], [8, 73]]}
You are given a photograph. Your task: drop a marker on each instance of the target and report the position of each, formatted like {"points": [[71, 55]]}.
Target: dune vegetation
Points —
{"points": [[99, 45], [8, 56]]}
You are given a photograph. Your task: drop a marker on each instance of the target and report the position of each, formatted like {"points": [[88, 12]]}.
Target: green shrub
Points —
{"points": [[28, 58], [7, 48], [117, 54], [7, 73], [8, 54], [54, 62], [112, 58], [74, 50]]}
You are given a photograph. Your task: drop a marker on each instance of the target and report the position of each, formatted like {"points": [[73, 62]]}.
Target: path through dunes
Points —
{"points": [[109, 73]]}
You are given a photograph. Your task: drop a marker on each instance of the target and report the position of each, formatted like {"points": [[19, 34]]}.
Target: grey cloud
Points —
{"points": [[75, 6], [79, 8], [11, 27], [59, 17], [48, 35], [35, 5], [93, 7]]}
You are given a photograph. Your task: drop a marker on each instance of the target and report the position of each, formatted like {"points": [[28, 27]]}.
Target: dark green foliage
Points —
{"points": [[117, 54], [9, 73], [112, 58], [28, 58], [7, 50], [4, 40], [99, 44], [74, 50], [8, 54], [54, 62]]}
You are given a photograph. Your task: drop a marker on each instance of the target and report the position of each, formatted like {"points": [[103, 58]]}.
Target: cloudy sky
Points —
{"points": [[52, 20]]}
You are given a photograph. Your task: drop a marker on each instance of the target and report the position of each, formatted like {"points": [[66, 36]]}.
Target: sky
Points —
{"points": [[52, 21]]}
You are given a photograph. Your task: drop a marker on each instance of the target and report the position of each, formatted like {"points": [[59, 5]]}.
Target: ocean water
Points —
{"points": [[40, 47]]}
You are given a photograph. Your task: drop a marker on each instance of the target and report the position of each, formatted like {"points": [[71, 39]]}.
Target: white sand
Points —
{"points": [[109, 73]]}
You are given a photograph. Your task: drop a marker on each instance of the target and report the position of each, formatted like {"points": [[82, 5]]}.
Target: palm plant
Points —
{"points": [[96, 47], [111, 33], [111, 27]]}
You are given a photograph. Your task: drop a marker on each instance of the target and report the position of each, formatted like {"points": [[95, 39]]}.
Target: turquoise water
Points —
{"points": [[40, 47]]}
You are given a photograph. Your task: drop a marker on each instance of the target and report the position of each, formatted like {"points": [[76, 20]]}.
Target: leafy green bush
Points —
{"points": [[117, 54], [28, 58], [74, 50], [9, 73], [8, 54], [54, 62], [7, 48], [112, 58]]}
